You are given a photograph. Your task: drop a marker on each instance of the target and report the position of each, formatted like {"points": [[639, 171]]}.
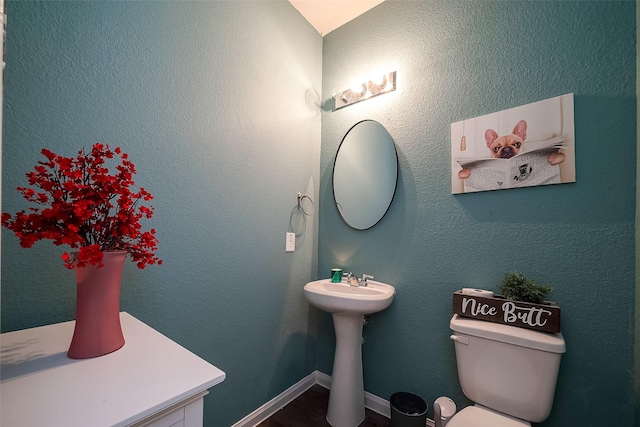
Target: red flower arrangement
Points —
{"points": [[87, 207]]}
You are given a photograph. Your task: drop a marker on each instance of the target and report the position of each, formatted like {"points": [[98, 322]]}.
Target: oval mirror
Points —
{"points": [[365, 174]]}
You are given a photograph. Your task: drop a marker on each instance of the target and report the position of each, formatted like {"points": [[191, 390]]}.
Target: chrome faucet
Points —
{"points": [[350, 279], [355, 281], [363, 280]]}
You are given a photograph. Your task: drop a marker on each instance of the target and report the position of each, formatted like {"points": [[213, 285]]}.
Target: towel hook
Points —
{"points": [[301, 198]]}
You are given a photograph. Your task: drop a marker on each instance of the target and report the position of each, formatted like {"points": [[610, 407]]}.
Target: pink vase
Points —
{"points": [[97, 330]]}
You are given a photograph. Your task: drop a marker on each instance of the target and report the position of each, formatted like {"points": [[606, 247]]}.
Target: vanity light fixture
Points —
{"points": [[386, 83]]}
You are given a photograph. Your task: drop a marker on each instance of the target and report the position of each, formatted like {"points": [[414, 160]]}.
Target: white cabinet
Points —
{"points": [[184, 414], [151, 381]]}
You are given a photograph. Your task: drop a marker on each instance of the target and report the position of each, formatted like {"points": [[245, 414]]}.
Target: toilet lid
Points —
{"points": [[474, 416]]}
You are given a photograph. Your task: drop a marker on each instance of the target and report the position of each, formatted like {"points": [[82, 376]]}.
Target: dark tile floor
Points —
{"points": [[310, 410]]}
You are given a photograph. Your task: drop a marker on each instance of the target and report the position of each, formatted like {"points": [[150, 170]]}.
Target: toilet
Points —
{"points": [[509, 373]]}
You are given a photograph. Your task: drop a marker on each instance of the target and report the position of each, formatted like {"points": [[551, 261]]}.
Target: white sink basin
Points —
{"points": [[342, 298]]}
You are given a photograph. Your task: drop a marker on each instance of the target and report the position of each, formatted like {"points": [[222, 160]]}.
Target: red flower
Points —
{"points": [[87, 208]]}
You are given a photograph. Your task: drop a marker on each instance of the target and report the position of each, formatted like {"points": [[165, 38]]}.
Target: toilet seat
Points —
{"points": [[478, 416]]}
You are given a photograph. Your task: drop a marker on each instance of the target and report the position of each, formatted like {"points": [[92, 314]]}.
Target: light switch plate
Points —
{"points": [[290, 246]]}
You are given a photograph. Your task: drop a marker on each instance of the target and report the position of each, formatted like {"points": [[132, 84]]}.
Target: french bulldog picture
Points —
{"points": [[507, 146]]}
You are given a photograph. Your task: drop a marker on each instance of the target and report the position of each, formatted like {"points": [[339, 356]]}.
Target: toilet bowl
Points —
{"points": [[509, 372]]}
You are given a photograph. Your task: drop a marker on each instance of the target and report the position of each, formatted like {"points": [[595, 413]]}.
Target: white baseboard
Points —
{"points": [[371, 401], [278, 402], [323, 379]]}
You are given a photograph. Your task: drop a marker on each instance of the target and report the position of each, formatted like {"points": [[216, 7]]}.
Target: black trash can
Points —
{"points": [[408, 410]]}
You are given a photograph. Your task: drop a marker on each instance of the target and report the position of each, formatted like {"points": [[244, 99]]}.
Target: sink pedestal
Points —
{"points": [[346, 397]]}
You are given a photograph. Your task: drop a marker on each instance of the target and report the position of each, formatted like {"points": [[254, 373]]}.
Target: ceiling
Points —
{"points": [[327, 15]]}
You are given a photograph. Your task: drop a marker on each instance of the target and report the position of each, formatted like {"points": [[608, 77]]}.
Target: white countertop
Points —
{"points": [[40, 386]]}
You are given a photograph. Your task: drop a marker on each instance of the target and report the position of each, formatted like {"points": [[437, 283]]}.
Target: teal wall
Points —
{"points": [[461, 59], [637, 309], [217, 105]]}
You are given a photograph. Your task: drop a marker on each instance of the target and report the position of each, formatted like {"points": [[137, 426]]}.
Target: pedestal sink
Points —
{"points": [[348, 305]]}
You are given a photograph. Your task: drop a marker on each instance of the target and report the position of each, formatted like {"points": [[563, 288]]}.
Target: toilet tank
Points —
{"points": [[508, 369]]}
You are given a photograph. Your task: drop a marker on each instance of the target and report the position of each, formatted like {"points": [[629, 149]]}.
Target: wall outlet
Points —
{"points": [[290, 245]]}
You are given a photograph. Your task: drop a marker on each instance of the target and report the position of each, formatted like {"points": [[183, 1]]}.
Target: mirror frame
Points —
{"points": [[395, 187]]}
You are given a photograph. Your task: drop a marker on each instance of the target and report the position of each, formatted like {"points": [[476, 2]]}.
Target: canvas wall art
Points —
{"points": [[525, 146]]}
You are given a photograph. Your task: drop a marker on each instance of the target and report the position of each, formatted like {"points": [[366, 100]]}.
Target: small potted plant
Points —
{"points": [[516, 287]]}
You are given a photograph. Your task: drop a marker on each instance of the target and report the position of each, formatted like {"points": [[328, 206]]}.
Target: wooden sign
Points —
{"points": [[540, 317]]}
